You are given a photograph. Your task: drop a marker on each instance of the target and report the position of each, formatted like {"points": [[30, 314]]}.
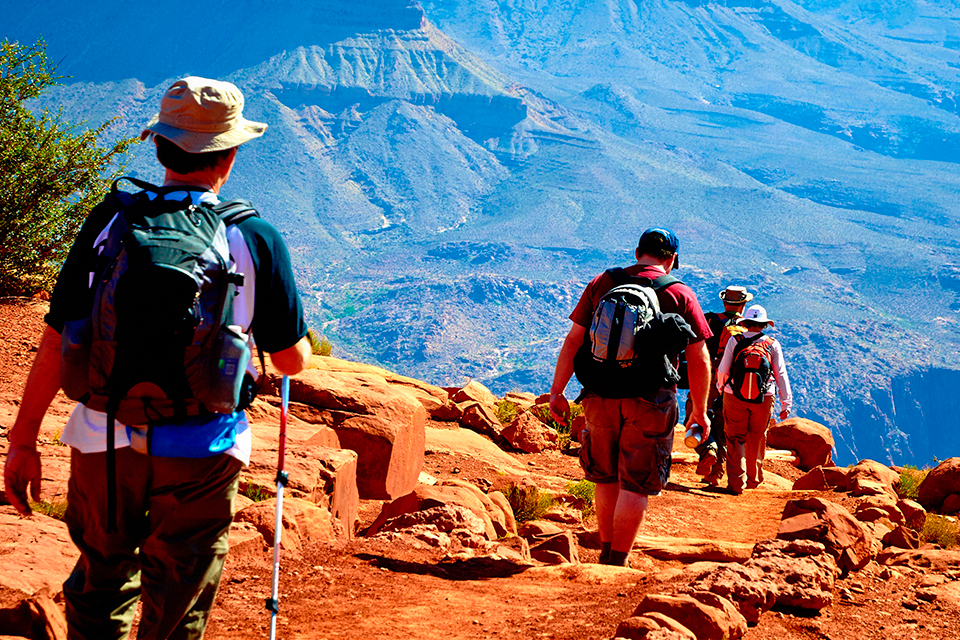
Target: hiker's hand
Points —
{"points": [[784, 414], [701, 418], [22, 469], [559, 408]]}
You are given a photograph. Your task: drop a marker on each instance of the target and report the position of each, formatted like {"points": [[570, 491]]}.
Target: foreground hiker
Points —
{"points": [[750, 373], [724, 325], [150, 501], [629, 379]]}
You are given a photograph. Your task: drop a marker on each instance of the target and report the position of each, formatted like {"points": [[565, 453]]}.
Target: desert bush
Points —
{"points": [[584, 490], [56, 509], [507, 411], [940, 529], [320, 346], [256, 493], [542, 412], [51, 173], [909, 483], [528, 503]]}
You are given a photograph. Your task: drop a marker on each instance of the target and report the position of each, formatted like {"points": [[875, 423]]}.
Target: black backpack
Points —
{"points": [[626, 352], [160, 344]]}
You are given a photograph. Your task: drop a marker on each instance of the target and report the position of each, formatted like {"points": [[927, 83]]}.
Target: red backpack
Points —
{"points": [[751, 368]]}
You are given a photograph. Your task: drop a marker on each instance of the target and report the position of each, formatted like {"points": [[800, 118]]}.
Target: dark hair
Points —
{"points": [[749, 325], [176, 159]]}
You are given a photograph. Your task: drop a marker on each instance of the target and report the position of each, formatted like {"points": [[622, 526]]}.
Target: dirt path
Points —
{"points": [[372, 589]]}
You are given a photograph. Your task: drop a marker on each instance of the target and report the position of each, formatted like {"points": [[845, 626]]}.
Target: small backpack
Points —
{"points": [[751, 368], [626, 351]]}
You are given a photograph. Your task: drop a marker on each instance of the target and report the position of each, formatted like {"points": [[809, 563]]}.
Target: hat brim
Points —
{"points": [[197, 142], [766, 322]]}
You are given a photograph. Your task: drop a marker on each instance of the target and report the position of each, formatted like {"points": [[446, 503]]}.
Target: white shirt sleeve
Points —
{"points": [[780, 375]]}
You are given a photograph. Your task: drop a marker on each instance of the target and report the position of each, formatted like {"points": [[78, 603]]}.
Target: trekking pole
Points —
{"points": [[273, 603]]}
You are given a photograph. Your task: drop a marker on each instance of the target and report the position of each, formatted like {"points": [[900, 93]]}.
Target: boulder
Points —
{"points": [[494, 511], [822, 479], [474, 392], [830, 524], [940, 482], [812, 442], [707, 622], [428, 496], [450, 411], [385, 427], [481, 418], [304, 524], [37, 552], [692, 549], [902, 538], [37, 617], [528, 434], [501, 502], [430, 396], [327, 477], [798, 574], [523, 399], [939, 560], [451, 519], [641, 627], [874, 508], [951, 504], [562, 544], [538, 529], [870, 478], [914, 515]]}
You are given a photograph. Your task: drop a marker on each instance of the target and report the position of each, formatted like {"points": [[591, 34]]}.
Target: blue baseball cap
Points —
{"points": [[658, 240]]}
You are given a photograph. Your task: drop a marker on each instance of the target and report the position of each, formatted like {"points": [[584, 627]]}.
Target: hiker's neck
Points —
{"points": [[666, 265], [211, 179]]}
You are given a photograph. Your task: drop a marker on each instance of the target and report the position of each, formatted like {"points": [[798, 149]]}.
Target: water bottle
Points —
{"points": [[694, 436]]}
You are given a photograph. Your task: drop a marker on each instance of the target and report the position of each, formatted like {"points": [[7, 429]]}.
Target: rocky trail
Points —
{"points": [[421, 577]]}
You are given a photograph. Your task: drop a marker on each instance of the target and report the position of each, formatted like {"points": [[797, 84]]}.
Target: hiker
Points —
{"points": [[751, 372], [628, 438], [724, 325], [163, 540]]}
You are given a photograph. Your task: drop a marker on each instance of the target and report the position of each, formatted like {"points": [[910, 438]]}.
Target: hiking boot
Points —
{"points": [[705, 466], [712, 480]]}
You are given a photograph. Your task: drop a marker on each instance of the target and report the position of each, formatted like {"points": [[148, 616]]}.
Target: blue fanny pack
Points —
{"points": [[197, 437]]}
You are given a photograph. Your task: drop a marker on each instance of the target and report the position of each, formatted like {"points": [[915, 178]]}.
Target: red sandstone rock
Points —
{"points": [[914, 515], [476, 392], [705, 621], [642, 627], [869, 478], [304, 524], [37, 617], [528, 434], [826, 522], [563, 544], [812, 441], [941, 481], [902, 538]]}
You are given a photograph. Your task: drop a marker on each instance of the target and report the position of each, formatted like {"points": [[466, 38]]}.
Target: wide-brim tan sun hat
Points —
{"points": [[756, 313], [736, 295], [200, 115]]}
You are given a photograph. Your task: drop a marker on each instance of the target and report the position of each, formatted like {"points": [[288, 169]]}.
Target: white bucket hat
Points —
{"points": [[756, 313], [200, 115]]}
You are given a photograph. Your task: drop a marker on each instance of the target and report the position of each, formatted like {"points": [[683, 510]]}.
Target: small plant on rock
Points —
{"points": [[585, 491], [319, 346], [909, 483], [56, 509], [507, 411], [542, 412], [528, 503], [940, 529], [256, 493]]}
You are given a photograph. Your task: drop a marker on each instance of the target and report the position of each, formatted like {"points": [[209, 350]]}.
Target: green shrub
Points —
{"points": [[319, 346], [542, 412], [528, 503], [507, 411], [256, 493], [909, 483], [56, 509], [940, 529], [584, 490], [51, 173]]}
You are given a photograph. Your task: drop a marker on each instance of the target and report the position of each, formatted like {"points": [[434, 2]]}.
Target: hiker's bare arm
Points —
{"points": [[292, 360], [698, 370], [559, 407], [22, 467]]}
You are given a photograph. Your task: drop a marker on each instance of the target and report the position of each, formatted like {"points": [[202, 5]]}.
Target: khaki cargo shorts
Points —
{"points": [[629, 440]]}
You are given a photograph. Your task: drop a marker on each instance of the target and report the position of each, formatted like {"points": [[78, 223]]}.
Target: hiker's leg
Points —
{"points": [[191, 507], [599, 454], [102, 591], [718, 434], [757, 441], [736, 418], [646, 443]]}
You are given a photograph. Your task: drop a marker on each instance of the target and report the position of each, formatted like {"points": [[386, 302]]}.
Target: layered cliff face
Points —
{"points": [[449, 177]]}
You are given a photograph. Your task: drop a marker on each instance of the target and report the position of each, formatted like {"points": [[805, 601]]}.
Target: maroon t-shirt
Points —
{"points": [[677, 298]]}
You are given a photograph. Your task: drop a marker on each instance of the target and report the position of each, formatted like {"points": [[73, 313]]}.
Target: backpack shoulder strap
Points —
{"points": [[235, 211], [744, 342], [619, 276], [662, 282]]}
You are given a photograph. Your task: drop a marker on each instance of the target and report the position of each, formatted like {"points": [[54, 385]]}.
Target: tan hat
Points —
{"points": [[200, 115], [736, 295]]}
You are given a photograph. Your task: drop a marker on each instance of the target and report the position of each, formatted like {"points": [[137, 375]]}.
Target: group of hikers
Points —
{"points": [[629, 330], [151, 327]]}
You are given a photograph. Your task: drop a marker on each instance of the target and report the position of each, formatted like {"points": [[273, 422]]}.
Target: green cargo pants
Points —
{"points": [[173, 520]]}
